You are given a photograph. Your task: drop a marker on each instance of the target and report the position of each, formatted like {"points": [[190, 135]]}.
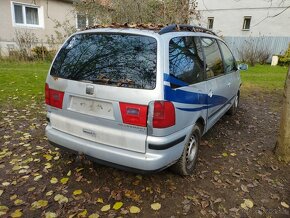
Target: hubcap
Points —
{"points": [[191, 152]]}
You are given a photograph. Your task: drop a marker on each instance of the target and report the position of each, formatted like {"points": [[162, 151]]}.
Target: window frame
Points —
{"points": [[87, 20], [24, 6], [210, 22], [246, 18], [205, 59]]}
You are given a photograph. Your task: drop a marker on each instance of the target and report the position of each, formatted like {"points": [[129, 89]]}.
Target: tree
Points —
{"points": [[138, 11], [283, 144]]}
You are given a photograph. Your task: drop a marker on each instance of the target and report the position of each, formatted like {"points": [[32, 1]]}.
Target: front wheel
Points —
{"points": [[186, 163]]}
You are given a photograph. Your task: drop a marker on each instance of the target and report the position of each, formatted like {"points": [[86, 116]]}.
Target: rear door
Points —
{"points": [[108, 79], [218, 89]]}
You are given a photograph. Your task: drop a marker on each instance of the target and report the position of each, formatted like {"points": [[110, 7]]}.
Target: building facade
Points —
{"points": [[263, 21], [37, 17]]}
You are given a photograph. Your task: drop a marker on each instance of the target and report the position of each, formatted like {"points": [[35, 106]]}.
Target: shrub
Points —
{"points": [[285, 59]]}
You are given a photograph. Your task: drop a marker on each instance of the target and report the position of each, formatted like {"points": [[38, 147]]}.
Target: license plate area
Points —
{"points": [[92, 107]]}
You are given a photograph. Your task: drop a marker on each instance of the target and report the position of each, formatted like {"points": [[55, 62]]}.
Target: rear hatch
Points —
{"points": [[100, 85]]}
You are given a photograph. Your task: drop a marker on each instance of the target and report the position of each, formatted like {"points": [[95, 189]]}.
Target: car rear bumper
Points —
{"points": [[152, 160]]}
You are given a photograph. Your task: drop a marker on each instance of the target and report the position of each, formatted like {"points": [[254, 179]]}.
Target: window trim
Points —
{"points": [[208, 22], [24, 24], [244, 23]]}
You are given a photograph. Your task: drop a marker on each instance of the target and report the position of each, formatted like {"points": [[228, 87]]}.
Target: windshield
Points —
{"points": [[112, 59]]}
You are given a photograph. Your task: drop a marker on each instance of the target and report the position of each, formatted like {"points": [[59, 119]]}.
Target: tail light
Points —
{"points": [[163, 114], [53, 97], [134, 114]]}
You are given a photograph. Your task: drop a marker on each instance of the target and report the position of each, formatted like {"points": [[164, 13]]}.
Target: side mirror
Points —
{"points": [[243, 67]]}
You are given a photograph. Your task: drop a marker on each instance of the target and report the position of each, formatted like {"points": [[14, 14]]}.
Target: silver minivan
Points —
{"points": [[140, 99]]}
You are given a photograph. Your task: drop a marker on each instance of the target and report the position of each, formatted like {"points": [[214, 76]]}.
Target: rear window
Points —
{"points": [[110, 59]]}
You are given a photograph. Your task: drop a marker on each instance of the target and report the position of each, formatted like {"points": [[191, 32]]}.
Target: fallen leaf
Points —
{"points": [[31, 189], [50, 215], [69, 173], [53, 180], [155, 206], [5, 183], [225, 154], [83, 213], [13, 197], [64, 180], [18, 202], [77, 192], [233, 154], [79, 169], [100, 200], [134, 209], [247, 204], [94, 215], [3, 210], [49, 193], [117, 205], [106, 208], [16, 213], [1, 192], [217, 172], [244, 188], [39, 204], [60, 199], [38, 177], [284, 204]]}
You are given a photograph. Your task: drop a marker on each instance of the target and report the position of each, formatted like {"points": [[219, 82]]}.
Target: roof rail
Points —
{"points": [[184, 27]]}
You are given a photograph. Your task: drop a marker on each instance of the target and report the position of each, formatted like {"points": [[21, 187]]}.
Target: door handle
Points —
{"points": [[210, 94]]}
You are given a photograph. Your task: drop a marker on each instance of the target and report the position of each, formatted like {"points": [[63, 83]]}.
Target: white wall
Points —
{"points": [[229, 16]]}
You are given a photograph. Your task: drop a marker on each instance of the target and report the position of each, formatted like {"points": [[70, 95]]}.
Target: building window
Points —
{"points": [[247, 23], [27, 15], [210, 23], [84, 21]]}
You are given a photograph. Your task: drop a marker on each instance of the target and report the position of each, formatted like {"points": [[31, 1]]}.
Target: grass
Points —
{"points": [[22, 82], [264, 77]]}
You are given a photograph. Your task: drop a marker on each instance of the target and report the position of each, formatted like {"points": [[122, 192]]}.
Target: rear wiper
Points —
{"points": [[118, 83]]}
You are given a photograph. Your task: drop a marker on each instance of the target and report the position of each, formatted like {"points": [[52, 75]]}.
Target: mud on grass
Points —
{"points": [[236, 163]]}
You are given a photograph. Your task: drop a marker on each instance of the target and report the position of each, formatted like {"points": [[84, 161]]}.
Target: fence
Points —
{"points": [[276, 45]]}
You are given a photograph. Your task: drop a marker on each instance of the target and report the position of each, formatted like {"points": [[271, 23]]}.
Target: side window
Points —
{"points": [[186, 60], [229, 60], [214, 63]]}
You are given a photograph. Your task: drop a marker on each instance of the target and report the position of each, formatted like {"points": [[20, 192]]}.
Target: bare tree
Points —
{"points": [[283, 143], [138, 11]]}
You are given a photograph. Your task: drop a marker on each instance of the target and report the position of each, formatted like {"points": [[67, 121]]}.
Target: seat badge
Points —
{"points": [[89, 89]]}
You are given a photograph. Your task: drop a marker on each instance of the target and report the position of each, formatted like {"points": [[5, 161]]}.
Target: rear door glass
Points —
{"points": [[186, 59], [109, 59]]}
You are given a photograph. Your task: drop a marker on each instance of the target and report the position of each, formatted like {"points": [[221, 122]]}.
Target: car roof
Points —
{"points": [[148, 29]]}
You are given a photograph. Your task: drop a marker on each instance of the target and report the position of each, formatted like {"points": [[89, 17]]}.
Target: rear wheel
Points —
{"points": [[234, 108], [186, 163]]}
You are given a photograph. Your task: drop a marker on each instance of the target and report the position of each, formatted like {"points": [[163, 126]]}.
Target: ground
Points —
{"points": [[237, 174]]}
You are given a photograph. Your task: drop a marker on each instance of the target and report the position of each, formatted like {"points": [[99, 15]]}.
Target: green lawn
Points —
{"points": [[22, 83], [264, 77]]}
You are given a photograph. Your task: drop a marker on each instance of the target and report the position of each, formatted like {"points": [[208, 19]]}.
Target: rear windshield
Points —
{"points": [[111, 59]]}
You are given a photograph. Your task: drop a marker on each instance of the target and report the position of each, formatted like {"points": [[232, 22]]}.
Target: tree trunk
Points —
{"points": [[282, 149]]}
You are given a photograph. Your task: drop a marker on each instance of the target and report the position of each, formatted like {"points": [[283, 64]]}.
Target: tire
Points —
{"points": [[186, 163], [234, 108]]}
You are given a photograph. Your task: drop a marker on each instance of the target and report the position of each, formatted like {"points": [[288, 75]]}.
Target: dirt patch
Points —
{"points": [[236, 163]]}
